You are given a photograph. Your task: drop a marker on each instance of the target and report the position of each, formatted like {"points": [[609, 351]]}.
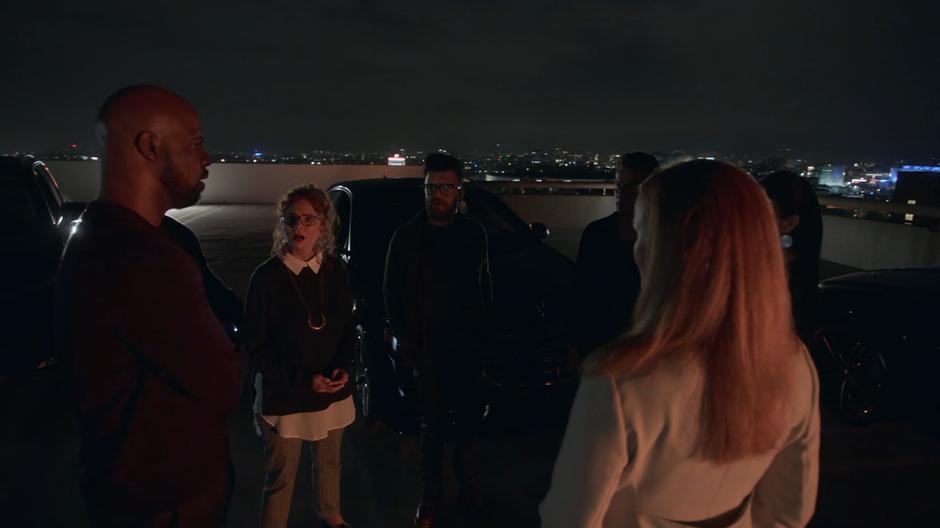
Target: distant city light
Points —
{"points": [[920, 168]]}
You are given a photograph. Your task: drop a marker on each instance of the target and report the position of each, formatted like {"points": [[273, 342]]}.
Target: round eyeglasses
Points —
{"points": [[305, 219]]}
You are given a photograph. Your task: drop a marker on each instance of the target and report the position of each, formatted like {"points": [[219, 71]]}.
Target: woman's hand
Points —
{"points": [[340, 378], [324, 385]]}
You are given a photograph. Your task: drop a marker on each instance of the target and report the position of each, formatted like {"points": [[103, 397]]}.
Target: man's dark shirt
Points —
{"points": [[605, 288], [437, 286], [152, 370]]}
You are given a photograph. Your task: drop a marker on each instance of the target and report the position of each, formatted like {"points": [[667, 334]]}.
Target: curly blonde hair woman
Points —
{"points": [[705, 413], [299, 334], [318, 199]]}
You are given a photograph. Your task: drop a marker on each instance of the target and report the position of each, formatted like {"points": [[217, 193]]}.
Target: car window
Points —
{"points": [[496, 217], [17, 207], [378, 213], [341, 204], [49, 189]]}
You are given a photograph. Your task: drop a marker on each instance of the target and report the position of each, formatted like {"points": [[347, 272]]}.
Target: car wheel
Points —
{"points": [[861, 373]]}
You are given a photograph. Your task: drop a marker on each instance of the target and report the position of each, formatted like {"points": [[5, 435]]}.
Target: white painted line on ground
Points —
{"points": [[181, 214], [201, 211]]}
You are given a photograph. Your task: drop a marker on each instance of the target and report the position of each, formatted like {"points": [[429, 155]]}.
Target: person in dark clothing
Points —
{"points": [[152, 370], [438, 293], [607, 282], [223, 301], [299, 333], [800, 224]]}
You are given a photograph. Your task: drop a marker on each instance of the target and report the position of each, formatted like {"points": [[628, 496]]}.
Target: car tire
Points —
{"points": [[859, 371]]}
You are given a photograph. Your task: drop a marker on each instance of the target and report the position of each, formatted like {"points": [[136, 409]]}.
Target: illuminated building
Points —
{"points": [[832, 176], [917, 185]]}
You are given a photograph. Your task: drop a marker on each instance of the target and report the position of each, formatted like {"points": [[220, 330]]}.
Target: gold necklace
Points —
{"points": [[293, 281]]}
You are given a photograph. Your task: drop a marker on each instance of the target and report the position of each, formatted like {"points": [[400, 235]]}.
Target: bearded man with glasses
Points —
{"points": [[438, 293]]}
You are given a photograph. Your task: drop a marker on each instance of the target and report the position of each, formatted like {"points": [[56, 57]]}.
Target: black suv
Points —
{"points": [[36, 222], [530, 282], [878, 351]]}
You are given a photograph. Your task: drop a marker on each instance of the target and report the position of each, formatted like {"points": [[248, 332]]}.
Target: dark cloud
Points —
{"points": [[835, 78]]}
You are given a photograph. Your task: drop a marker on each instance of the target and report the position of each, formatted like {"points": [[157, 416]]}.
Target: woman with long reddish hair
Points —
{"points": [[706, 412]]}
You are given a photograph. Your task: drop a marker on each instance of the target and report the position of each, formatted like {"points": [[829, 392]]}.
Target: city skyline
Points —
{"points": [[553, 155], [839, 80]]}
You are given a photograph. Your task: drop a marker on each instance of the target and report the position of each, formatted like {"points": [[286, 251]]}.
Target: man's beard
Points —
{"points": [[442, 215], [174, 182]]}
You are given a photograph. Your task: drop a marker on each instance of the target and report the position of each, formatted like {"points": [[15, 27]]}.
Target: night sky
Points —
{"points": [[832, 78]]}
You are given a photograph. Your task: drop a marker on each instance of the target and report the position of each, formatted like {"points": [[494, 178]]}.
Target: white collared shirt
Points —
{"points": [[297, 265]]}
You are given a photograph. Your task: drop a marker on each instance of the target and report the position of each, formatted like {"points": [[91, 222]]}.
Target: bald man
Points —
{"points": [[153, 371]]}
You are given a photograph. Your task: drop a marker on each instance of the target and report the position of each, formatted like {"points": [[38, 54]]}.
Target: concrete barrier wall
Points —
{"points": [[865, 244], [870, 244], [559, 211], [235, 183], [78, 180]]}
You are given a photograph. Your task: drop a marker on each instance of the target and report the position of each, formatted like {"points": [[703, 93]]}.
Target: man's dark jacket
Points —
{"points": [[605, 288], [152, 370], [438, 289], [224, 302]]}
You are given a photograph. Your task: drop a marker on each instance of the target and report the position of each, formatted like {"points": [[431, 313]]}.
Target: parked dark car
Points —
{"points": [[36, 222], [878, 351], [530, 280]]}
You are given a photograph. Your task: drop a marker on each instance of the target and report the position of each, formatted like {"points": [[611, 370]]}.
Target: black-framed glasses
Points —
{"points": [[307, 220], [445, 188]]}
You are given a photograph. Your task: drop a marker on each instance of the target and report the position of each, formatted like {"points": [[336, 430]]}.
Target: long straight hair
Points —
{"points": [[714, 292]]}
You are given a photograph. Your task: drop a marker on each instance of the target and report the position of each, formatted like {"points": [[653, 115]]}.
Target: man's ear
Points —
{"points": [[788, 224], [147, 143]]}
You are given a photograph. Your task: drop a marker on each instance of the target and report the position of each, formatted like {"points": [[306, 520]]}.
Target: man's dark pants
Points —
{"points": [[209, 509], [450, 384]]}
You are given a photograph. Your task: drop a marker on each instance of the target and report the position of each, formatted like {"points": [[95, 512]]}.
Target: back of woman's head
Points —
{"points": [[714, 293], [793, 195]]}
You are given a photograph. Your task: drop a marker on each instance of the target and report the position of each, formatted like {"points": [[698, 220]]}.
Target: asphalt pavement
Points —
{"points": [[886, 474]]}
